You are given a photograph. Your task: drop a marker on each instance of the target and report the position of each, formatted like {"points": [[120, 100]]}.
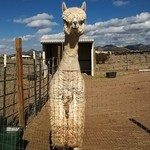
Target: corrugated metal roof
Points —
{"points": [[62, 40]]}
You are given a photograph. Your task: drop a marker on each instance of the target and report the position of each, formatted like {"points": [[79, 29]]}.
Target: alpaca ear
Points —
{"points": [[83, 6], [64, 7]]}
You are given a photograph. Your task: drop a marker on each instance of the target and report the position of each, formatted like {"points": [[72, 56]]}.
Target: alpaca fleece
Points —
{"points": [[67, 87]]}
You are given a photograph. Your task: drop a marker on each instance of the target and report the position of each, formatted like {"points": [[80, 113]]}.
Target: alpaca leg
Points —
{"points": [[76, 123], [58, 123]]}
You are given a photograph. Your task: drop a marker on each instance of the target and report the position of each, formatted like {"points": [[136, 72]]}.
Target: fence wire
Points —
{"points": [[117, 108], [116, 115], [35, 90]]}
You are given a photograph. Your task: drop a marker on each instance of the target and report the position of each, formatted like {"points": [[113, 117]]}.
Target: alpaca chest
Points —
{"points": [[67, 93], [67, 108], [67, 84]]}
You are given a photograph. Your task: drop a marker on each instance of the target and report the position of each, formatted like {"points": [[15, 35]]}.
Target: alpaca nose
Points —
{"points": [[75, 24]]}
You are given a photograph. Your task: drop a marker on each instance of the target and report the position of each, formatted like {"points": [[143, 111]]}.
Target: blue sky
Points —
{"points": [[118, 22]]}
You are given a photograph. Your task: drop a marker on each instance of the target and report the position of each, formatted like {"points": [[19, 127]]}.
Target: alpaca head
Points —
{"points": [[74, 19]]}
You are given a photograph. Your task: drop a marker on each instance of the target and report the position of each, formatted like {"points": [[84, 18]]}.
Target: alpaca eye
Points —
{"points": [[81, 22], [65, 22]]}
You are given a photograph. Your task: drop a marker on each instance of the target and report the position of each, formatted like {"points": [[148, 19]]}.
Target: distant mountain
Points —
{"points": [[99, 48], [106, 48], [139, 47], [113, 49], [30, 52], [109, 46], [128, 48]]}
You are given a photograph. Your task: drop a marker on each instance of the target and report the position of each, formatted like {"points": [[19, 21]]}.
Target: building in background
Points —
{"points": [[53, 49]]}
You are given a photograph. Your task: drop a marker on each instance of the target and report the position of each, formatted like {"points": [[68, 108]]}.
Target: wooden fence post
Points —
{"points": [[35, 88], [4, 86], [58, 56], [40, 80], [19, 75]]}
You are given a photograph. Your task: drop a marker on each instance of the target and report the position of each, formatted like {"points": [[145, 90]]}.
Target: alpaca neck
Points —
{"points": [[70, 55]]}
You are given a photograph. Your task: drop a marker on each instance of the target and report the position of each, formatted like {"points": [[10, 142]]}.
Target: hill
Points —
{"points": [[30, 52], [139, 47], [129, 48]]}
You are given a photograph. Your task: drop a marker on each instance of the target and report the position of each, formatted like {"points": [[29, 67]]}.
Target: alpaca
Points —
{"points": [[67, 87]]}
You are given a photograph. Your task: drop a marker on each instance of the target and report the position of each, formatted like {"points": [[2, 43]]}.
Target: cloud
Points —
{"points": [[44, 31], [28, 41], [27, 37], [2, 46], [7, 47], [43, 16], [129, 30], [119, 3], [53, 36], [120, 32], [41, 22]]}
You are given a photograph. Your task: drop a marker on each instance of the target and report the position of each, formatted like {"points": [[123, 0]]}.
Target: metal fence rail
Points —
{"points": [[35, 89]]}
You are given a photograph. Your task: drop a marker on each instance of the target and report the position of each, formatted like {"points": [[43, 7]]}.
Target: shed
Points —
{"points": [[53, 48]]}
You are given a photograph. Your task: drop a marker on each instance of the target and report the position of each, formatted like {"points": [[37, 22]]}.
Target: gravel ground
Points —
{"points": [[117, 115]]}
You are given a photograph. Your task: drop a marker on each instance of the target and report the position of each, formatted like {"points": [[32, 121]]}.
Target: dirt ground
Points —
{"points": [[117, 115]]}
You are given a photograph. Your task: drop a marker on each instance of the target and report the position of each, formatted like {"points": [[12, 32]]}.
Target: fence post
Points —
{"points": [[35, 78], [45, 68], [44, 59], [40, 80], [48, 82], [4, 86], [58, 56], [20, 94], [53, 65]]}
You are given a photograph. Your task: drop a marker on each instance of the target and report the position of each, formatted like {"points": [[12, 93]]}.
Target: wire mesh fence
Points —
{"points": [[116, 109], [35, 89], [116, 115], [127, 61], [112, 107], [8, 91]]}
